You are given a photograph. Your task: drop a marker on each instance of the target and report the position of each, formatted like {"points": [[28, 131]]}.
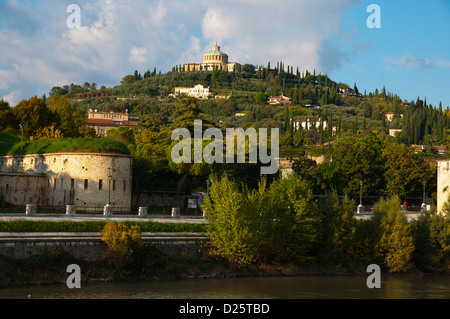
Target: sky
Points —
{"points": [[408, 54]]}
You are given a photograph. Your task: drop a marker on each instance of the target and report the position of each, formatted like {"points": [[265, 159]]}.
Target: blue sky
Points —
{"points": [[409, 54]]}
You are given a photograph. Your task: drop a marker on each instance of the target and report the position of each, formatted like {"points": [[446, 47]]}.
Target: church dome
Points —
{"points": [[215, 56]]}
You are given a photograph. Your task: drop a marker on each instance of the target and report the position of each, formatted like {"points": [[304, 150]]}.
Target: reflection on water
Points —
{"points": [[330, 287]]}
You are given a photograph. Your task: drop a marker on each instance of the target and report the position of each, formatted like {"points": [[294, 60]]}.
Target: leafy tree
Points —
{"points": [[232, 228], [294, 235], [70, 120], [358, 159], [7, 118], [404, 171], [396, 243], [122, 134], [33, 114], [270, 223], [127, 79], [432, 242], [338, 231], [57, 90], [122, 242], [187, 113], [47, 133]]}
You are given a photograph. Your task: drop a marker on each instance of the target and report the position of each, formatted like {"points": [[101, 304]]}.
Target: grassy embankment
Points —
{"points": [[94, 226]]}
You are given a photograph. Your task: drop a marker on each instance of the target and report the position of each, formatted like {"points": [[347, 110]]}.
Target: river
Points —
{"points": [[297, 287]]}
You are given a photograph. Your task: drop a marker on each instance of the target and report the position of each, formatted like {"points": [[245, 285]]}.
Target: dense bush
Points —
{"points": [[280, 223]]}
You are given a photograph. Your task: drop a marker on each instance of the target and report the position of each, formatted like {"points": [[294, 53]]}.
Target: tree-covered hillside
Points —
{"points": [[350, 119]]}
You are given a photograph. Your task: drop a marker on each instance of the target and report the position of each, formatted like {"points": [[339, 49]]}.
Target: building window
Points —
{"points": [[100, 184], [86, 184], [124, 186], [114, 185], [72, 183]]}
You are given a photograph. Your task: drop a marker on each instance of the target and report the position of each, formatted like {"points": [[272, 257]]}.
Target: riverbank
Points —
{"points": [[177, 255], [151, 265]]}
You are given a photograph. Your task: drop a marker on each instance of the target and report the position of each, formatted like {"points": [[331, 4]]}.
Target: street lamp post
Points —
{"points": [[208, 182], [108, 209], [109, 188], [21, 139], [360, 208], [424, 206]]}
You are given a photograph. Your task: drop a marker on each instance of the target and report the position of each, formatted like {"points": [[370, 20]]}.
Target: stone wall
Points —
{"points": [[90, 248], [443, 183], [155, 199], [21, 189], [85, 180]]}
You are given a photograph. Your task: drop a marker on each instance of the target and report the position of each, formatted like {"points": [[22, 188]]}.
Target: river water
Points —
{"points": [[297, 287]]}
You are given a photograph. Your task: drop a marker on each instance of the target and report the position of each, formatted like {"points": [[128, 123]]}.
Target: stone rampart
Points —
{"points": [[82, 179], [443, 183], [89, 246]]}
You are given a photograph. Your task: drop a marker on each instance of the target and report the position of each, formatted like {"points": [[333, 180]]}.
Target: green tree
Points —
{"points": [[338, 241], [432, 242], [231, 227], [7, 118], [186, 114], [294, 235], [404, 171], [123, 242], [395, 246], [358, 159], [122, 134], [69, 118], [33, 114], [269, 224]]}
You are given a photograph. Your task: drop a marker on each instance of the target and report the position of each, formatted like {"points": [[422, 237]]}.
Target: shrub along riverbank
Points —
{"points": [[275, 229], [128, 258]]}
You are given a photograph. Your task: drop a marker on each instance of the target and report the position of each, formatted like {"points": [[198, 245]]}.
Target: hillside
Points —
{"points": [[313, 96], [341, 112]]}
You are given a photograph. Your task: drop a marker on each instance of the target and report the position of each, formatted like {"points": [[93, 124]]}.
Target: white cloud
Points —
{"points": [[13, 97], [117, 37], [7, 78], [138, 56], [296, 32], [408, 62]]}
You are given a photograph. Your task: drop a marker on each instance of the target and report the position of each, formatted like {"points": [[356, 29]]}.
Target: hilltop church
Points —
{"points": [[213, 60]]}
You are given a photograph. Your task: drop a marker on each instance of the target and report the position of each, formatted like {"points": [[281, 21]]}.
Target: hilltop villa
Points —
{"points": [[104, 121], [213, 60], [198, 91]]}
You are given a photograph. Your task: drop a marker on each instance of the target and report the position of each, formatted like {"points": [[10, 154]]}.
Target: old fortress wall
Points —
{"points": [[443, 183], [83, 179]]}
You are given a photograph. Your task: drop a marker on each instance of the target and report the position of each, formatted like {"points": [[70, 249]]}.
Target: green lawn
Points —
{"points": [[10, 144], [7, 141]]}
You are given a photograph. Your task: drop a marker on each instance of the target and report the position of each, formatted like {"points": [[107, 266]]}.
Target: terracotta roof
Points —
{"points": [[103, 122]]}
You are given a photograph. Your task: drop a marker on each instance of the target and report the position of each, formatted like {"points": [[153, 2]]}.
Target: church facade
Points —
{"points": [[214, 59]]}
